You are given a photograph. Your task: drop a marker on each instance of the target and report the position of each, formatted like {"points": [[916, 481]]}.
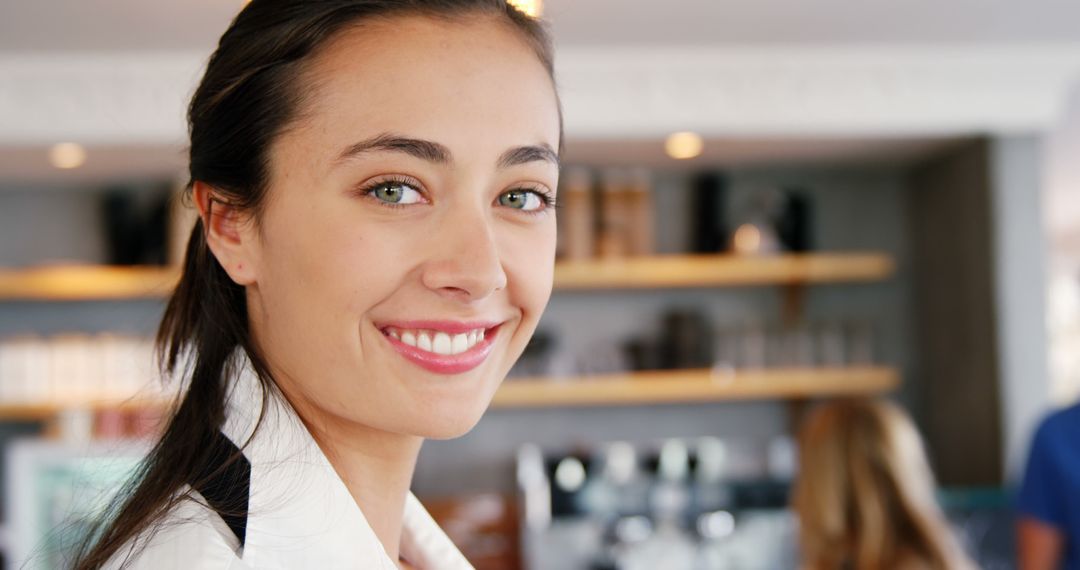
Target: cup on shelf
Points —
{"points": [[830, 344], [861, 342], [753, 346]]}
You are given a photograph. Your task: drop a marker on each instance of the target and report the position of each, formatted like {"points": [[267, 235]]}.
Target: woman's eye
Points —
{"points": [[525, 200], [396, 193]]}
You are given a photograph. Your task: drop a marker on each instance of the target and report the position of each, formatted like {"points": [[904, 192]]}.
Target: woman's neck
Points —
{"points": [[376, 467]]}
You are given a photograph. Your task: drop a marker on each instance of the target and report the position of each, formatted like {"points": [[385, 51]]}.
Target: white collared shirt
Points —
{"points": [[300, 513]]}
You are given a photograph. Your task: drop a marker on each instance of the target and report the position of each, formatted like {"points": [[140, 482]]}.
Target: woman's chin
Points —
{"points": [[447, 423], [446, 428]]}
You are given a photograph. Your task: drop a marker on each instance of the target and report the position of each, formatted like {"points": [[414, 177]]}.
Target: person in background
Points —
{"points": [[864, 494], [1048, 504]]}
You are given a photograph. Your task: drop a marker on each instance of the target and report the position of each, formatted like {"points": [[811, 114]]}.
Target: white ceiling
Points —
{"points": [[58, 25], [755, 152], [813, 21], [163, 26]]}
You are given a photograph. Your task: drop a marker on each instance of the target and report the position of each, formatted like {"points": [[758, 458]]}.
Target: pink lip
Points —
{"points": [[448, 327], [444, 363]]}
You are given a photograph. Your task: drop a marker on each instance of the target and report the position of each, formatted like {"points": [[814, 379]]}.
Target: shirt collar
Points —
{"points": [[300, 513]]}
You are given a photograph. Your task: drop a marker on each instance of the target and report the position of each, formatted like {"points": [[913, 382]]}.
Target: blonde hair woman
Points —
{"points": [[865, 493]]}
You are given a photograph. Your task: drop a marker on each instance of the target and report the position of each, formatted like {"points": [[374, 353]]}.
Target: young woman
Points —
{"points": [[375, 182], [865, 494]]}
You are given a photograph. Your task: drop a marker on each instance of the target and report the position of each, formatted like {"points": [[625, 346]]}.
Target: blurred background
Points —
{"points": [[765, 204]]}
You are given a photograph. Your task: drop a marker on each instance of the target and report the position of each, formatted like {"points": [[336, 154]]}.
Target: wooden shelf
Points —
{"points": [[676, 271], [86, 283], [97, 283], [637, 388], [46, 411], [687, 386]]}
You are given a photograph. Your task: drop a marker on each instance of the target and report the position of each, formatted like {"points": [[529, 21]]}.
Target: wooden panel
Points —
{"points": [[953, 260]]}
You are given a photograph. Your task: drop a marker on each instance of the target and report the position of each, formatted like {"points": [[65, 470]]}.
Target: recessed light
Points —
{"points": [[684, 145], [67, 155]]}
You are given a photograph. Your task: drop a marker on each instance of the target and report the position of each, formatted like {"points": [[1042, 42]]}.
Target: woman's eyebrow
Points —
{"points": [[434, 152], [531, 153], [422, 149]]}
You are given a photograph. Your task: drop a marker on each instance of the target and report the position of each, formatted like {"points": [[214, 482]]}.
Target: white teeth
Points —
{"points": [[438, 342], [460, 344], [442, 344]]}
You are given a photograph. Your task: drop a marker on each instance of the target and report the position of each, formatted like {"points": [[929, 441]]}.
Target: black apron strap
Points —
{"points": [[226, 484]]}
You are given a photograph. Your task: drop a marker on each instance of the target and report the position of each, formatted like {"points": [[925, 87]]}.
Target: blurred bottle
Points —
{"points": [[753, 345], [726, 350], [616, 215], [861, 342], [686, 341], [708, 226], [577, 219], [756, 233], [670, 545], [617, 499], [794, 225], [631, 487], [534, 486], [709, 491], [799, 346], [641, 230], [830, 343], [136, 224], [572, 538], [715, 530]]}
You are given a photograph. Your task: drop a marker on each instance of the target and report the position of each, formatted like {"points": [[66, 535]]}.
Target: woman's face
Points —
{"points": [[405, 251]]}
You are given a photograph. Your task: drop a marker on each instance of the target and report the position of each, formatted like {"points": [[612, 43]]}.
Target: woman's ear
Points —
{"points": [[228, 233]]}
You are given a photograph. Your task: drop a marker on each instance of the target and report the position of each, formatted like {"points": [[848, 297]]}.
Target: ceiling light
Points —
{"points": [[684, 145], [67, 155], [529, 7]]}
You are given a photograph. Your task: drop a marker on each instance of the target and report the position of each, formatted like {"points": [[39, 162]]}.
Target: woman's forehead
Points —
{"points": [[453, 81]]}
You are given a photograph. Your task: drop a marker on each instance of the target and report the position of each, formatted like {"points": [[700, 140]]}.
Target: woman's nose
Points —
{"points": [[465, 262]]}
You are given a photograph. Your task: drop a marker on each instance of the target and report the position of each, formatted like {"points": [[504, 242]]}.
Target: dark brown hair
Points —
{"points": [[246, 98]]}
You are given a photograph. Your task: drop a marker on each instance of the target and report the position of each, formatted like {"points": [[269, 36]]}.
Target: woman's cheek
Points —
{"points": [[530, 267]]}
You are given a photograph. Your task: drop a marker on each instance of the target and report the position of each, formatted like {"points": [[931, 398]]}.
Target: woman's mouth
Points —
{"points": [[442, 347]]}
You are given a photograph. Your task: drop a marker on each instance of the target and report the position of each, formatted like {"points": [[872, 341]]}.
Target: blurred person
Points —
{"points": [[375, 186], [1048, 503], [864, 493]]}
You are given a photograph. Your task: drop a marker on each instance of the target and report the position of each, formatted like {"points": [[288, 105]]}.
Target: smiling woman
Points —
{"points": [[375, 182]]}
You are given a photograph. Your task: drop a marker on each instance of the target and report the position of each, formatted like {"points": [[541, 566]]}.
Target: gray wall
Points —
{"points": [[42, 224], [1020, 277]]}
